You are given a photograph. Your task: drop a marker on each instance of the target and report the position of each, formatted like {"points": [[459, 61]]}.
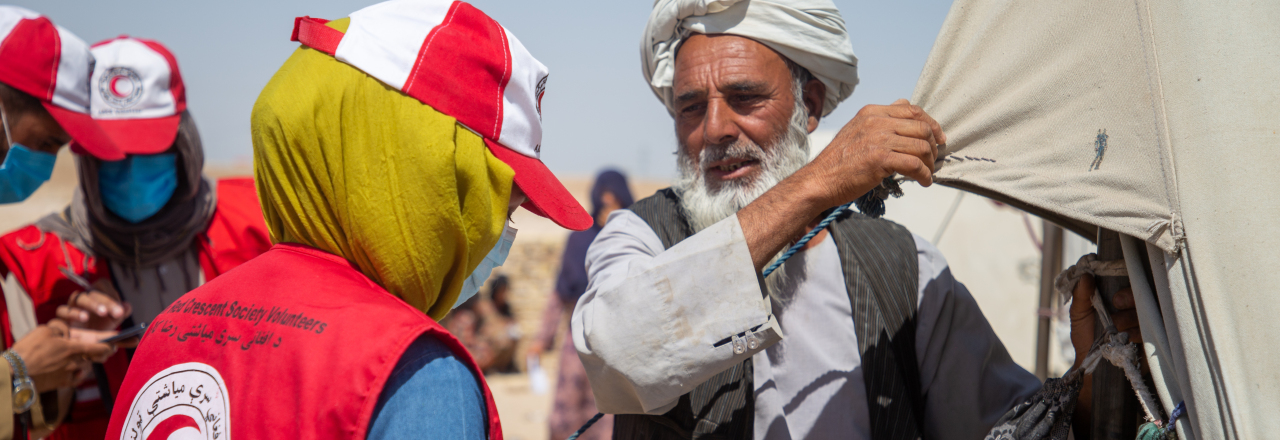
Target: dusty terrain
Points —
{"points": [[989, 248]]}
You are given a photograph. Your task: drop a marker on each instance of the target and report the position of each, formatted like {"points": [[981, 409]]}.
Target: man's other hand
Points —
{"points": [[53, 358], [880, 141], [1083, 316]]}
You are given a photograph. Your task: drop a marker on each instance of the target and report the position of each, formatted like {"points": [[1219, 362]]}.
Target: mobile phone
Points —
{"points": [[130, 333]]}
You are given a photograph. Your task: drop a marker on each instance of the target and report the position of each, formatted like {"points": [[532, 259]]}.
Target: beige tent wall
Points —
{"points": [[1188, 96], [1220, 65]]}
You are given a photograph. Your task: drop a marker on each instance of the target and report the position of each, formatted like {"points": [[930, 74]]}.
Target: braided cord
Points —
{"points": [[584, 427], [805, 240]]}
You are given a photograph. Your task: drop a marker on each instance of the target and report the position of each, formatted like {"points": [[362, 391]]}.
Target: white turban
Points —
{"points": [[810, 33]]}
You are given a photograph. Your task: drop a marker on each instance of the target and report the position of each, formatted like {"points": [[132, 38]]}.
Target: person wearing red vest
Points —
{"points": [[44, 106], [389, 153], [140, 232]]}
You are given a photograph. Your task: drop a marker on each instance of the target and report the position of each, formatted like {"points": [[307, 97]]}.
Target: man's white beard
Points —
{"points": [[706, 203]]}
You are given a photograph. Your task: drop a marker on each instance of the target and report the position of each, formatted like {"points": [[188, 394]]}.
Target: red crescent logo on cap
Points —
{"points": [[171, 425], [120, 87], [538, 91], [115, 86]]}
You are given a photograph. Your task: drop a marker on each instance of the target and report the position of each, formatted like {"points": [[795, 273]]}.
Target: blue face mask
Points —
{"points": [[495, 258], [23, 170], [138, 186]]}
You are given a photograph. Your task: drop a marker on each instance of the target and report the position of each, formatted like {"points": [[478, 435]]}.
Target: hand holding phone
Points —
{"points": [[126, 334]]}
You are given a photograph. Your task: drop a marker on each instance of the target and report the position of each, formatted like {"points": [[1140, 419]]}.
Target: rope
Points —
{"points": [[1153, 430], [1179, 410], [805, 240], [584, 427], [1124, 355], [1115, 347], [1066, 281]]}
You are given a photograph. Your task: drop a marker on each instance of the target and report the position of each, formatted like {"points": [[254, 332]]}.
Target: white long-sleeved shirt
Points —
{"points": [[647, 327]]}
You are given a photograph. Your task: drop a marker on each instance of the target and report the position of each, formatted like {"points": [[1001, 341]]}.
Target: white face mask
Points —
{"points": [[494, 259]]}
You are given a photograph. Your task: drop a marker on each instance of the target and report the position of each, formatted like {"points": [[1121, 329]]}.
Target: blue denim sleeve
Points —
{"points": [[430, 395]]}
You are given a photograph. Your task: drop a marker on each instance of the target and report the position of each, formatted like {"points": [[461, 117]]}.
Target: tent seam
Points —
{"points": [[1166, 168]]}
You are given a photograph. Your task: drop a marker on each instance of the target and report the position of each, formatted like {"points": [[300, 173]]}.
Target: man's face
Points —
{"points": [[37, 130], [729, 88], [740, 127]]}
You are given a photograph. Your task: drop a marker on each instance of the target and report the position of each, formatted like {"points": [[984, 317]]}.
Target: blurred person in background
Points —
{"points": [[574, 402], [388, 173], [140, 232], [44, 106], [487, 327]]}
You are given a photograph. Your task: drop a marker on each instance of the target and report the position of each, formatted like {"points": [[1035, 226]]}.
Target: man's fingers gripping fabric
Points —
{"points": [[903, 110], [910, 166]]}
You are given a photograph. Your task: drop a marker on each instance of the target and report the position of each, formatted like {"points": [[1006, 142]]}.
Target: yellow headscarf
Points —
{"points": [[348, 165]]}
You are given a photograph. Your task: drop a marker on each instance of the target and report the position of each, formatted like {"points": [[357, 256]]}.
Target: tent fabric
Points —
{"points": [[1156, 119]]}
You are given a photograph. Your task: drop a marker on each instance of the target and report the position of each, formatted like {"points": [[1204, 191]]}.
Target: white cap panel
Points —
{"points": [[131, 81], [385, 39], [10, 16], [71, 91], [522, 101]]}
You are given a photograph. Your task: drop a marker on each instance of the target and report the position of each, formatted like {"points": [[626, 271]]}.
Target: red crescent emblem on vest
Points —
{"points": [[172, 425], [115, 80]]}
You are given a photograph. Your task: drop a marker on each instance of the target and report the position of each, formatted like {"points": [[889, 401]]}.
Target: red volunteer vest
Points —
{"points": [[296, 343], [236, 234]]}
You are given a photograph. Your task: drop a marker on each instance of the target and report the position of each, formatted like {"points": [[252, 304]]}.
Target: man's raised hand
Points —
{"points": [[880, 141]]}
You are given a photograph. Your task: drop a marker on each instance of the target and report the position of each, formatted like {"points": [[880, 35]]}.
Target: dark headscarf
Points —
{"points": [[572, 282], [168, 233]]}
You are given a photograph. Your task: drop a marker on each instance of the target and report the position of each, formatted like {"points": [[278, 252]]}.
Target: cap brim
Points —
{"points": [[547, 196], [142, 136], [86, 135]]}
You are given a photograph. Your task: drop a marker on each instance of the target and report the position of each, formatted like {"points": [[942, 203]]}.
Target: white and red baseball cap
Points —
{"points": [[456, 59], [53, 65], [138, 96]]}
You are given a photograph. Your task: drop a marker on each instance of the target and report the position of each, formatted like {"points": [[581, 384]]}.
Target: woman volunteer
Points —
{"points": [[389, 152]]}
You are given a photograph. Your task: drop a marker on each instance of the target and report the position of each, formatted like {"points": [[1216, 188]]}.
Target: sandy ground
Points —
{"points": [[989, 247]]}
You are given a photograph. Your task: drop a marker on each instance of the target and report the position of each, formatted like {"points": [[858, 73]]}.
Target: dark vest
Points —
{"points": [[880, 272]]}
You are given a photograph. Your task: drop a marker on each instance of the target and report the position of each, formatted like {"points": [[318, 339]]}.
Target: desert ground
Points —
{"points": [[991, 248]]}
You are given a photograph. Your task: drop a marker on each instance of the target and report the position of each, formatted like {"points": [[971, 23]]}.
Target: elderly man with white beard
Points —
{"points": [[680, 335]]}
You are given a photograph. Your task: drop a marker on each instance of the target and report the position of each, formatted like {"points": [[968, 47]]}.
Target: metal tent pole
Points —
{"points": [[1050, 266]]}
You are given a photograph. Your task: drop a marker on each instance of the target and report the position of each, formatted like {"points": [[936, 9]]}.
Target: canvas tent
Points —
{"points": [[1154, 118]]}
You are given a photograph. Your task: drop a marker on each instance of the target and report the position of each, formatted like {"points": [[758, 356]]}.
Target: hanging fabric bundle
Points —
{"points": [[871, 204]]}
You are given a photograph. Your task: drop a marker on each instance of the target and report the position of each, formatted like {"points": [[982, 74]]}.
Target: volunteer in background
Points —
{"points": [[141, 231], [487, 328], [574, 403], [388, 164], [44, 100]]}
